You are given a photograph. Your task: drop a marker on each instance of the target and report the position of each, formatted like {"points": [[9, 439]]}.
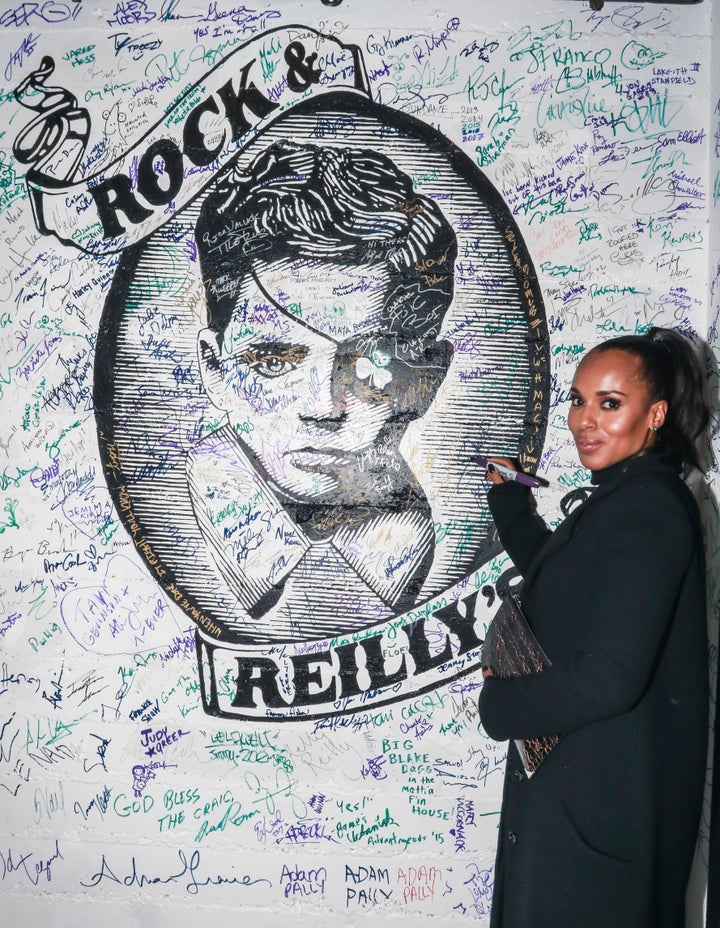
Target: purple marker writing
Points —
{"points": [[527, 479]]}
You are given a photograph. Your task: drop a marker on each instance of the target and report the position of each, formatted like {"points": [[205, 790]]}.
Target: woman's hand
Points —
{"points": [[493, 474]]}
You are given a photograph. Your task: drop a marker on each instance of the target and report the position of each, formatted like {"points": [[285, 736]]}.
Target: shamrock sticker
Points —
{"points": [[375, 367]]}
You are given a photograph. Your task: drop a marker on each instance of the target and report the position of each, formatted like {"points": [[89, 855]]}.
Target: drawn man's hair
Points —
{"points": [[342, 204]]}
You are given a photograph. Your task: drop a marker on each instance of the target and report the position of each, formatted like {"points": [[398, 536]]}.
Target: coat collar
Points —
{"points": [[644, 462], [605, 482]]}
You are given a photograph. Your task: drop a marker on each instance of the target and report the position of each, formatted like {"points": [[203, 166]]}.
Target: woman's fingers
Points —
{"points": [[493, 474]]}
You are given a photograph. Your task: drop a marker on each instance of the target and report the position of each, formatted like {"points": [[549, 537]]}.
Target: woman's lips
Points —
{"points": [[587, 445]]}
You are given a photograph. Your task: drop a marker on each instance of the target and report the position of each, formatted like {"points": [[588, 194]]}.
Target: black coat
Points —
{"points": [[602, 835]]}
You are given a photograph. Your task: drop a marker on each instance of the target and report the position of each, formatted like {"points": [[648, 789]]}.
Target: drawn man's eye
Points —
{"points": [[273, 360], [273, 366]]}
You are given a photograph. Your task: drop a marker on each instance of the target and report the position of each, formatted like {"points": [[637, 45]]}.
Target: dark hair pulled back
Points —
{"points": [[670, 367]]}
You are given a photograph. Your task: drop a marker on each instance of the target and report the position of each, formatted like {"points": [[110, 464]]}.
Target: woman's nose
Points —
{"points": [[588, 418]]}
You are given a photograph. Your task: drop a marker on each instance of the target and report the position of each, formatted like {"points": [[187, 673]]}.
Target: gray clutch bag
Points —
{"points": [[512, 650]]}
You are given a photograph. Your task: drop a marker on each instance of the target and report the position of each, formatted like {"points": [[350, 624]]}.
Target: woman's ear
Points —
{"points": [[208, 349], [658, 411]]}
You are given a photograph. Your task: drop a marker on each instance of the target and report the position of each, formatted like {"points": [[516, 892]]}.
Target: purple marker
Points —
{"points": [[527, 479]]}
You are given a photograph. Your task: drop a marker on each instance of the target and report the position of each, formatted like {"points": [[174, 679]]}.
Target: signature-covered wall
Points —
{"points": [[272, 277]]}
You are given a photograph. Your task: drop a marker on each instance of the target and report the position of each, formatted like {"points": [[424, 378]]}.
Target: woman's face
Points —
{"points": [[611, 414]]}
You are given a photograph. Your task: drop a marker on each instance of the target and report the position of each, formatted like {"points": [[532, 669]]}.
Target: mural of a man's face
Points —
{"points": [[319, 383]]}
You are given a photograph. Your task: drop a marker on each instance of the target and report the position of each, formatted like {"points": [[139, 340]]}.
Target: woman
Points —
{"points": [[602, 835]]}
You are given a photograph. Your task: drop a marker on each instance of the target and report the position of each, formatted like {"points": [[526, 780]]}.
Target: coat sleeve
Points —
{"points": [[521, 530], [642, 551]]}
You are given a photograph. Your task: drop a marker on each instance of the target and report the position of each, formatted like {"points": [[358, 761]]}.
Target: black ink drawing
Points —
{"points": [[294, 370], [327, 280]]}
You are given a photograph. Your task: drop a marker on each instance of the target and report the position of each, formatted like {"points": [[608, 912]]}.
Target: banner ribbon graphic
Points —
{"points": [[435, 644], [240, 97]]}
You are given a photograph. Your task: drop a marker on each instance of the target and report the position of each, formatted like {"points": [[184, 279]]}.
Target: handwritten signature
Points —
{"points": [[13, 861], [188, 871]]}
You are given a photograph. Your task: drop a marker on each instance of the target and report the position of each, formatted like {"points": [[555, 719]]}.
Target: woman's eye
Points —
{"points": [[611, 404], [575, 401]]}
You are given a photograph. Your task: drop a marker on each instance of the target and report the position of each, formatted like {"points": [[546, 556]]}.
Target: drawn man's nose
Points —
{"points": [[325, 405]]}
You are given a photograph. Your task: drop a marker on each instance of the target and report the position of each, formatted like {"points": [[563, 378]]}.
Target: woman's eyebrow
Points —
{"points": [[575, 392]]}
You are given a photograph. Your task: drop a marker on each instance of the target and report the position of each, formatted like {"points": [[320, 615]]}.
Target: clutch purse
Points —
{"points": [[511, 650]]}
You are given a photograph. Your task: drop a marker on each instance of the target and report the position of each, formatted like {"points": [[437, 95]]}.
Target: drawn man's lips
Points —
{"points": [[315, 457]]}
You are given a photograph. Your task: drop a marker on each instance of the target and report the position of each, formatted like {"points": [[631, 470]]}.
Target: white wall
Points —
{"points": [[600, 131]]}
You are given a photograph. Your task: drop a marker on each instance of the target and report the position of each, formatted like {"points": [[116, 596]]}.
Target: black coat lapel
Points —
{"points": [[563, 533]]}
